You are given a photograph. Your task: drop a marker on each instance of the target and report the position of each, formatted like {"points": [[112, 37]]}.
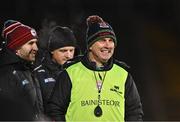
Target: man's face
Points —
{"points": [[61, 55], [28, 50], [101, 51]]}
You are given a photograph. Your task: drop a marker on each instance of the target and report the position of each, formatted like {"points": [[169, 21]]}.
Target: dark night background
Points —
{"points": [[148, 33]]}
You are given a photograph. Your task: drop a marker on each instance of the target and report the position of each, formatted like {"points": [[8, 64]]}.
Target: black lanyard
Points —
{"points": [[98, 110]]}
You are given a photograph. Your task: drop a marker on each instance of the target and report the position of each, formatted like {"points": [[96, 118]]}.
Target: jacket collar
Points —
{"points": [[51, 65], [8, 57]]}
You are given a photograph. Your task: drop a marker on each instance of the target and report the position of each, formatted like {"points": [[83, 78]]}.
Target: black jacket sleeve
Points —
{"points": [[133, 106], [59, 101]]}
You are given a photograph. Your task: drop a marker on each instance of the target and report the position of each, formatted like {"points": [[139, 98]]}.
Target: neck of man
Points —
{"points": [[55, 62], [93, 58]]}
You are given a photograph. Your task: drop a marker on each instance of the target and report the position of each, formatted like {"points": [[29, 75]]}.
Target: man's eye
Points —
{"points": [[71, 50], [31, 43], [111, 40], [102, 40], [62, 50]]}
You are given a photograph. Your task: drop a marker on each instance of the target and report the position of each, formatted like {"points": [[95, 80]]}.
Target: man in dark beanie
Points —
{"points": [[19, 90], [61, 39], [60, 48], [96, 87]]}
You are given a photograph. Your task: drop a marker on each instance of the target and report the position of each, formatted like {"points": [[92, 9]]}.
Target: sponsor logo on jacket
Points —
{"points": [[101, 102], [47, 80]]}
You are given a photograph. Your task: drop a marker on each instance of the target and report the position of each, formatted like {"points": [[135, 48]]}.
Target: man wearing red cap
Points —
{"points": [[19, 90]]}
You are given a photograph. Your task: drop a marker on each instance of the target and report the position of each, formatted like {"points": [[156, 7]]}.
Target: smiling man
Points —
{"points": [[19, 90], [96, 87], [28, 50]]}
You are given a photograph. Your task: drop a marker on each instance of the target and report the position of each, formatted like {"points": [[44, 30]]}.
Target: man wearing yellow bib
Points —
{"points": [[96, 87]]}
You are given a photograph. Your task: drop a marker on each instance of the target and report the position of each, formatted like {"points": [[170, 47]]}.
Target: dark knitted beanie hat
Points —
{"points": [[97, 29], [60, 37]]}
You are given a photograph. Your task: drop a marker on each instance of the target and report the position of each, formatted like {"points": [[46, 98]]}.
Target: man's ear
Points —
{"points": [[52, 52], [17, 52], [90, 48]]}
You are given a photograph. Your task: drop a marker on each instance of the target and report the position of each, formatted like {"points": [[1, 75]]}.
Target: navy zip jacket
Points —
{"points": [[20, 95]]}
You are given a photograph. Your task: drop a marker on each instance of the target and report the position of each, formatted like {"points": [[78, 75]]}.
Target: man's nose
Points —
{"points": [[108, 43], [35, 47], [69, 55]]}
